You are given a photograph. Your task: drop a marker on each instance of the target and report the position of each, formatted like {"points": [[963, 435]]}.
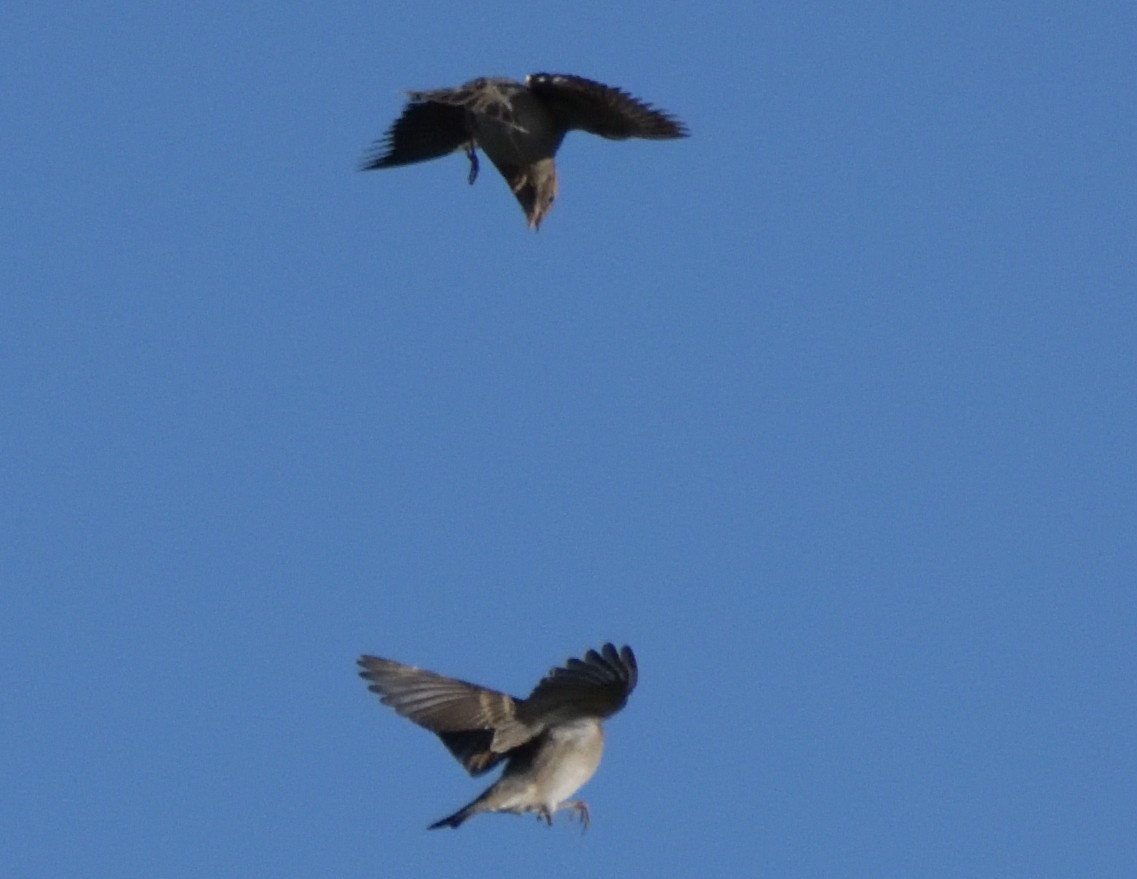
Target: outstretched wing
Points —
{"points": [[601, 109], [596, 686], [424, 131], [479, 726]]}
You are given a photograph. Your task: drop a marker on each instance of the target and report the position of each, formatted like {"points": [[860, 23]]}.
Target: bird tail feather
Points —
{"points": [[456, 819]]}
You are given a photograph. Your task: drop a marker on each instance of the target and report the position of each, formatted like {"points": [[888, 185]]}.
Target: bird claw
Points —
{"points": [[581, 809]]}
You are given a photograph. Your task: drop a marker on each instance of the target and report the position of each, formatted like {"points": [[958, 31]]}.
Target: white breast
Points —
{"points": [[574, 753]]}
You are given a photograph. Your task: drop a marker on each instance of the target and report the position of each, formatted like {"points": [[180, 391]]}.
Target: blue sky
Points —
{"points": [[828, 411]]}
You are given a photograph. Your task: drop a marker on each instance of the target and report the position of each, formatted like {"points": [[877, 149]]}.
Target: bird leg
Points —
{"points": [[579, 806], [473, 157]]}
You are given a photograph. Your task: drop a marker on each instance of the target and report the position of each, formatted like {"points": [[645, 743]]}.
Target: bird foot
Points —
{"points": [[580, 807], [472, 155]]}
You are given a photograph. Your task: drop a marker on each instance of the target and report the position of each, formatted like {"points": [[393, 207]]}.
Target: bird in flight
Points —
{"points": [[551, 741], [520, 127]]}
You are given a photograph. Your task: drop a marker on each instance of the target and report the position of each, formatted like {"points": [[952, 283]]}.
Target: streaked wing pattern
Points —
{"points": [[486, 95], [478, 725]]}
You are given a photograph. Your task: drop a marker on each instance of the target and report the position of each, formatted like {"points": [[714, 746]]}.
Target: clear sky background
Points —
{"points": [[830, 411]]}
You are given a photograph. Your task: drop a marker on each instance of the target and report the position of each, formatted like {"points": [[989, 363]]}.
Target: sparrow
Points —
{"points": [[520, 127], [551, 741]]}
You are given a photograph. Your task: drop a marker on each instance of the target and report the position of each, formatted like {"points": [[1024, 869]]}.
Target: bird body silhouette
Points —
{"points": [[551, 741], [519, 126]]}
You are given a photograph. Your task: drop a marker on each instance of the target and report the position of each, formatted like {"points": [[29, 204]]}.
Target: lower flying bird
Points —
{"points": [[520, 127], [551, 740]]}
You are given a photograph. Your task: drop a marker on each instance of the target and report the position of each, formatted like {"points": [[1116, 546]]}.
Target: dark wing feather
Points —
{"points": [[424, 131], [478, 725], [601, 109], [596, 686]]}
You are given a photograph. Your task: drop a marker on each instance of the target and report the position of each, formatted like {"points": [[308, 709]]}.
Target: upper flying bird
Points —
{"points": [[520, 127], [551, 740]]}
